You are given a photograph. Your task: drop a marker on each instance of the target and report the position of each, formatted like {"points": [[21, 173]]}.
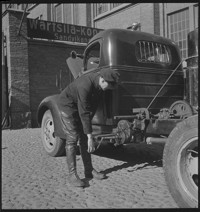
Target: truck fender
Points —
{"points": [[50, 103]]}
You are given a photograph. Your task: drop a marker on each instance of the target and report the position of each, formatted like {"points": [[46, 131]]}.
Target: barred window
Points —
{"points": [[65, 13], [114, 5], [67, 16], [58, 13], [178, 28], [152, 52], [101, 8], [106, 8], [14, 6], [76, 13]]}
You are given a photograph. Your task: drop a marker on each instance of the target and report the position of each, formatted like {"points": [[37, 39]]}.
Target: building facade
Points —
{"points": [[171, 20], [35, 68]]}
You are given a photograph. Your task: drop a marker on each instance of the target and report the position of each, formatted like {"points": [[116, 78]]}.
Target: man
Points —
{"points": [[78, 103]]}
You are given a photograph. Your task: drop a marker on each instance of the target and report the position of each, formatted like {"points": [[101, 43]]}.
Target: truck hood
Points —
{"points": [[75, 66]]}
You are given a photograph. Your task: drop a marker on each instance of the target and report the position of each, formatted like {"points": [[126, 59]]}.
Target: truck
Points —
{"points": [[156, 101]]}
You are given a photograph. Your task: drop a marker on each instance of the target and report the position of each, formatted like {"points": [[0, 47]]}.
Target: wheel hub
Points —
{"points": [[187, 167], [181, 108], [49, 134]]}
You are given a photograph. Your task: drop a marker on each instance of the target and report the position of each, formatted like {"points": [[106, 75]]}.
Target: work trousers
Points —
{"points": [[73, 129]]}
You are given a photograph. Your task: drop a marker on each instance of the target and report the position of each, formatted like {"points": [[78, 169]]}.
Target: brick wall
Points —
{"points": [[47, 65], [34, 70], [18, 74]]}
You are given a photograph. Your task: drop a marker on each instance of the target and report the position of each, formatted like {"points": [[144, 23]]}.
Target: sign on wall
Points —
{"points": [[59, 31]]}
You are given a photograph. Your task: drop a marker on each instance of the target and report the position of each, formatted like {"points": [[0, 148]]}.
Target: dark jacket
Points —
{"points": [[82, 96]]}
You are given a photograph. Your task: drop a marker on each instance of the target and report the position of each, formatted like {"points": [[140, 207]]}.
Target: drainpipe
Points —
{"points": [[163, 4], [22, 20]]}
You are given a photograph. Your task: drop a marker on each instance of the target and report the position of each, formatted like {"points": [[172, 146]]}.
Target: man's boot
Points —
{"points": [[90, 172], [71, 162]]}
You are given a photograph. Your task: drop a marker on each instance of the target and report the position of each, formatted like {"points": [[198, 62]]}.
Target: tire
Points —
{"points": [[180, 163], [53, 145]]}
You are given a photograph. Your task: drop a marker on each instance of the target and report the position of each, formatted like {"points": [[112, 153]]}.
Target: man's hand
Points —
{"points": [[91, 146]]}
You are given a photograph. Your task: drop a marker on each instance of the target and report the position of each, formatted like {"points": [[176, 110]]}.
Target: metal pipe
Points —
{"points": [[164, 84], [168, 80], [163, 6], [126, 117], [105, 136], [152, 140], [22, 20]]}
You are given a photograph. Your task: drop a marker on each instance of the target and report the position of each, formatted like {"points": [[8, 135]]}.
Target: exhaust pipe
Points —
{"points": [[152, 140]]}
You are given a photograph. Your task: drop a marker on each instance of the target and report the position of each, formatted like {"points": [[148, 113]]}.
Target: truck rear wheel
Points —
{"points": [[180, 163], [53, 145]]}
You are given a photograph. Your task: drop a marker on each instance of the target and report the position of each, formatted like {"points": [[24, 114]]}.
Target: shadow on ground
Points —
{"points": [[135, 156], [142, 155]]}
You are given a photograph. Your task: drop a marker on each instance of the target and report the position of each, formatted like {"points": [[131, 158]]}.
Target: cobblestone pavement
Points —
{"points": [[33, 180]]}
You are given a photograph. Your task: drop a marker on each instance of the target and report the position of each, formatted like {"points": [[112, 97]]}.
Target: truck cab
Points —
{"points": [[144, 62]]}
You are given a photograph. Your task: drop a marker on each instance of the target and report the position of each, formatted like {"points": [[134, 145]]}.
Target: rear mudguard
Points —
{"points": [[50, 103]]}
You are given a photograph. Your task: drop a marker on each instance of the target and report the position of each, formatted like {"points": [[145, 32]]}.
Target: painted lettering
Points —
{"points": [[48, 24], [60, 31], [95, 32], [69, 37], [84, 40], [73, 30], [42, 25], [78, 39], [59, 28], [32, 23], [89, 32], [60, 37], [67, 29], [82, 31], [56, 36], [64, 28], [54, 26]]}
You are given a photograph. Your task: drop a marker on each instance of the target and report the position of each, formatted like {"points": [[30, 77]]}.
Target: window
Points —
{"points": [[196, 16], [67, 13], [92, 56], [4, 7], [178, 28], [58, 13], [76, 14], [15, 6], [114, 5], [101, 8], [152, 52]]}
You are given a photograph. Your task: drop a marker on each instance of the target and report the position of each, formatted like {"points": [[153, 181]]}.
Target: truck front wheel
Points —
{"points": [[180, 163], [53, 145]]}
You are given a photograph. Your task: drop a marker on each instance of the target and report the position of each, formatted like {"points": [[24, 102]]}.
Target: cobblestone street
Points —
{"points": [[33, 180]]}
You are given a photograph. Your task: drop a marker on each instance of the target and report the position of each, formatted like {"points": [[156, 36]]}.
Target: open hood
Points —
{"points": [[75, 66]]}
